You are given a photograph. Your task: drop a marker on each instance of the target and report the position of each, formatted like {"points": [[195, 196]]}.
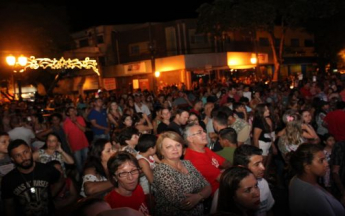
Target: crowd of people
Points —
{"points": [[223, 148]]}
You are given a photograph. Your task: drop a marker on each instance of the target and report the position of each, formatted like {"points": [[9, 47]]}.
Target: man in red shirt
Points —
{"points": [[335, 122], [74, 127], [208, 163]]}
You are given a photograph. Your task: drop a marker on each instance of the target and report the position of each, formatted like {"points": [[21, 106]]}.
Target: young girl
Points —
{"points": [[147, 150]]}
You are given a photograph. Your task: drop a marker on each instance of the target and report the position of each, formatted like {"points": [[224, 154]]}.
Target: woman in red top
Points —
{"points": [[124, 170]]}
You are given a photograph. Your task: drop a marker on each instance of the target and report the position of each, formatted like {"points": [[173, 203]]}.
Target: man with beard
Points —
{"points": [[27, 190]]}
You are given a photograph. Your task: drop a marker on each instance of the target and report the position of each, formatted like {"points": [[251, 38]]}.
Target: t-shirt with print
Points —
{"points": [[207, 164], [6, 166], [30, 192], [136, 201]]}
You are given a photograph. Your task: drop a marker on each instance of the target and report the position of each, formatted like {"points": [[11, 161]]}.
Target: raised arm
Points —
{"points": [[91, 187]]}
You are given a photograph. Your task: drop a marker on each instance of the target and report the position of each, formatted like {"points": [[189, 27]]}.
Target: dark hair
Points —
{"points": [[259, 116], [122, 120], [146, 141], [126, 134], [179, 112], [228, 134], [221, 118], [236, 105], [304, 155], [82, 206], [14, 144], [68, 109], [57, 115], [15, 121], [45, 146], [3, 133], [229, 183], [243, 153], [94, 158], [226, 110], [116, 161]]}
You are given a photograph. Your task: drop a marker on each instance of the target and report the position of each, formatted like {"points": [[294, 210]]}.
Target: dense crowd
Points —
{"points": [[223, 148]]}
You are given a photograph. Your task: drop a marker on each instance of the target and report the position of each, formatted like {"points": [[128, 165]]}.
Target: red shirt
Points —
{"points": [[76, 137], [207, 164], [136, 201], [336, 124], [305, 93]]}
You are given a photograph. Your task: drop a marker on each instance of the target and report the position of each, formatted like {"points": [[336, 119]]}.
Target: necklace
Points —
{"points": [[32, 188]]}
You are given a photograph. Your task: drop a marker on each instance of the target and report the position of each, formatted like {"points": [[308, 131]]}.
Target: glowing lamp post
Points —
{"points": [[18, 65]]}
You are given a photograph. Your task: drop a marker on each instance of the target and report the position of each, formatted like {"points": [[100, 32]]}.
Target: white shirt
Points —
{"points": [[22, 133], [266, 198], [142, 109]]}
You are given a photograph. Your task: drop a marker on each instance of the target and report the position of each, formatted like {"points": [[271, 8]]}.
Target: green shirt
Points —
{"points": [[227, 153]]}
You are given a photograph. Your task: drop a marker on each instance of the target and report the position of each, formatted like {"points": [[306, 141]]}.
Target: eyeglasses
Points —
{"points": [[126, 174], [198, 133]]}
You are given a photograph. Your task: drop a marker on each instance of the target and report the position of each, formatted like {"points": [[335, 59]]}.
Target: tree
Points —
{"points": [[33, 28], [264, 15]]}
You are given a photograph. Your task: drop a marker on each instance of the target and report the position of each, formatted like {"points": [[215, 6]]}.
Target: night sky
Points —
{"points": [[100, 12]]}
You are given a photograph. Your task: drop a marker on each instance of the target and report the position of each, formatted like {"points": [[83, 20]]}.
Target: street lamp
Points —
{"points": [[18, 65]]}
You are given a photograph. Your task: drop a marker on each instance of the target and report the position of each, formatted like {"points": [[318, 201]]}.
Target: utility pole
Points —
{"points": [[153, 59]]}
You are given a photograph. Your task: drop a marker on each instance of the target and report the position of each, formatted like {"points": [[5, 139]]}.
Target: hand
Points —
{"points": [[190, 201], [242, 109], [304, 127], [74, 119], [59, 149], [144, 116]]}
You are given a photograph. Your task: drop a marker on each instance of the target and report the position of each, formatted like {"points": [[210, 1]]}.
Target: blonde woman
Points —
{"points": [[180, 188], [114, 114], [294, 134]]}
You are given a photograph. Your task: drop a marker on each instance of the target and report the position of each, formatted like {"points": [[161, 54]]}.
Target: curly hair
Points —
{"points": [[293, 133]]}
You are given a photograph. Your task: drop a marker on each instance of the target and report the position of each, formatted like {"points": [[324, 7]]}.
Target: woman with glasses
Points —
{"points": [[96, 175], [124, 173], [180, 188]]}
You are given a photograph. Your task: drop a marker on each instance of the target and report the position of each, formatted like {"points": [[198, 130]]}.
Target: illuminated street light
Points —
{"points": [[18, 65], [157, 74]]}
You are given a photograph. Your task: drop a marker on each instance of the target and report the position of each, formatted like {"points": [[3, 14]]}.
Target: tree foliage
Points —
{"points": [[33, 28], [255, 15]]}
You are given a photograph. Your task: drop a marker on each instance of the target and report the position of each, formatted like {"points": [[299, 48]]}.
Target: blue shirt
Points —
{"points": [[101, 119]]}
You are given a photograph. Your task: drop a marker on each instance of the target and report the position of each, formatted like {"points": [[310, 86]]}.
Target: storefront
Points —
{"points": [[182, 69]]}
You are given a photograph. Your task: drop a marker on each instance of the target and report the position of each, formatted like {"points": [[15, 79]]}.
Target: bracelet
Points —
{"points": [[202, 198]]}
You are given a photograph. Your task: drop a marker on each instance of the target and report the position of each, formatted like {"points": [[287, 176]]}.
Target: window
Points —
{"points": [[308, 43], [84, 43], [198, 39], [264, 42], [100, 39], [294, 42], [134, 49]]}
